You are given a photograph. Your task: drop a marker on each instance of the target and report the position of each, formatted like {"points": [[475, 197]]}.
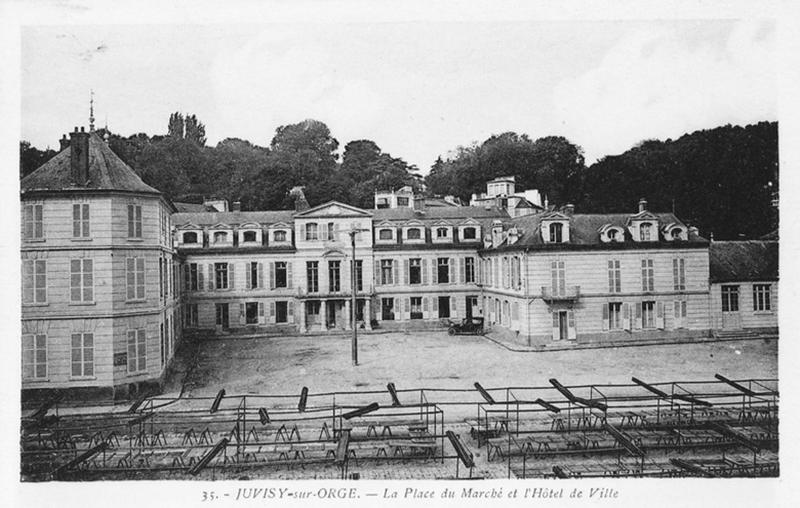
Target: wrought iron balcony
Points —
{"points": [[566, 293]]}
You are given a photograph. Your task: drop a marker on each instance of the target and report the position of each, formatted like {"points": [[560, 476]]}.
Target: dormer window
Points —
{"points": [[676, 234], [612, 235], [469, 233], [414, 234], [556, 230], [279, 236], [249, 236], [311, 231], [441, 232], [190, 237], [385, 234], [644, 231], [220, 237]]}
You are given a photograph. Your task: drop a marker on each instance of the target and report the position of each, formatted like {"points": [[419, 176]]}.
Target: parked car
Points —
{"points": [[467, 326]]}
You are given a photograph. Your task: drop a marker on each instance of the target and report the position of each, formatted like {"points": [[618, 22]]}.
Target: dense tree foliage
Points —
{"points": [[721, 180]]}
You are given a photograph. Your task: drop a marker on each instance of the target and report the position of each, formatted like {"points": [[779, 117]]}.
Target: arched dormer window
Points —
{"points": [[441, 232], [676, 233], [385, 234], [644, 231], [556, 230], [311, 231], [220, 237], [249, 236], [414, 234], [612, 235], [279, 236], [190, 237]]}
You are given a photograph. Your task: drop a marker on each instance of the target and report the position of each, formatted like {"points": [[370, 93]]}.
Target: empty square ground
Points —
{"points": [[283, 365]]}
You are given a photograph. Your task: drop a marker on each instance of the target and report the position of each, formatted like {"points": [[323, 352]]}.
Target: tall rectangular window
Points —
{"points": [[387, 269], [191, 315], [34, 356], [221, 275], [359, 275], [34, 281], [761, 297], [137, 351], [134, 272], [281, 312], [81, 281], [387, 309], [312, 276], [614, 315], [647, 275], [614, 276], [252, 274], [648, 314], [82, 354], [32, 222], [679, 274], [558, 277], [80, 220], [281, 274], [334, 276], [469, 270], [415, 271], [443, 270], [730, 298], [416, 307], [134, 221]]}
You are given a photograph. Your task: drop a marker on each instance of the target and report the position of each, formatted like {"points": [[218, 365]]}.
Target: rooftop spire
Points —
{"points": [[91, 111]]}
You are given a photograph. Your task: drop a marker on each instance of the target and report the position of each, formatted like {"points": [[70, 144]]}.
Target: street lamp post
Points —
{"points": [[354, 342]]}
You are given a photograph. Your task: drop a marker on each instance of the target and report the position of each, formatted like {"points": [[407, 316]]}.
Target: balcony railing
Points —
{"points": [[566, 293]]}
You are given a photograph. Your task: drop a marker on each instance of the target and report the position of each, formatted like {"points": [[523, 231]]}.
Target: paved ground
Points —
{"points": [[433, 359]]}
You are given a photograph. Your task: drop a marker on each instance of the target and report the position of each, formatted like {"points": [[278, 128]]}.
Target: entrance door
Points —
{"points": [[330, 309], [472, 304], [222, 315], [731, 318], [563, 328]]}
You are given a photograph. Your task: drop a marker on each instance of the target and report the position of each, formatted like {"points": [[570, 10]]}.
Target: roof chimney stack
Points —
{"points": [[79, 157], [642, 205], [64, 142], [237, 206], [569, 209]]}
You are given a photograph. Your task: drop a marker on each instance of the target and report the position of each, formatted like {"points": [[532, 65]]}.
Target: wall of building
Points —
{"points": [[747, 317]]}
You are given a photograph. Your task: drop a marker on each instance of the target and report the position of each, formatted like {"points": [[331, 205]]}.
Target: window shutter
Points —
{"points": [[660, 315], [377, 272], [186, 282], [571, 331], [406, 272], [452, 269], [435, 305], [200, 277], [425, 307], [242, 318], [261, 312], [248, 276], [336, 232], [395, 279], [605, 317], [408, 308], [626, 316], [271, 312], [302, 232], [462, 270], [424, 271], [324, 231], [545, 233], [290, 317], [514, 311], [400, 308], [638, 320], [27, 281], [556, 334], [211, 280], [453, 307], [231, 276], [272, 274], [289, 274], [675, 281], [260, 275]]}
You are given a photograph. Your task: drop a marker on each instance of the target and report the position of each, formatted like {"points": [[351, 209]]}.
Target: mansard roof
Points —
{"points": [[106, 172], [438, 213], [743, 261], [233, 218]]}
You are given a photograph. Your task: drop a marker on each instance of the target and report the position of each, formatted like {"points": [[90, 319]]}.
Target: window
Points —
{"points": [[82, 354], [34, 281], [558, 278], [33, 223], [80, 220], [160, 277], [415, 271], [676, 233], [416, 307], [221, 311], [387, 309], [311, 231], [556, 232], [505, 272], [220, 236], [444, 306], [647, 275], [334, 279], [414, 234], [387, 267], [281, 274], [134, 221], [730, 298], [279, 236], [281, 312], [615, 316], [382, 203], [402, 201], [614, 276], [249, 236], [385, 234], [190, 237], [331, 231], [251, 313], [612, 235], [81, 281], [134, 274], [312, 276], [191, 314], [648, 315], [34, 356], [221, 275], [469, 269], [761, 297], [442, 232], [359, 275], [443, 270], [469, 233], [252, 274], [137, 351], [678, 274], [644, 231], [192, 280]]}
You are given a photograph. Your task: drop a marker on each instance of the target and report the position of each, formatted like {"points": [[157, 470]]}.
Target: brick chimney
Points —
{"points": [[64, 142], [237, 206], [642, 205], [569, 209], [79, 157]]}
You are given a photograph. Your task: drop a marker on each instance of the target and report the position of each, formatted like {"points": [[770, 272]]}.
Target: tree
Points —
{"points": [[195, 131], [30, 158], [175, 128]]}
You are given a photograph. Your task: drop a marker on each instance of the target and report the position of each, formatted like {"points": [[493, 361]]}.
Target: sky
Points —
{"points": [[418, 89]]}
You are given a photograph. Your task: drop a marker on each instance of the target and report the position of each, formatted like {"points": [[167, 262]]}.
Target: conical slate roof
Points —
{"points": [[106, 172]]}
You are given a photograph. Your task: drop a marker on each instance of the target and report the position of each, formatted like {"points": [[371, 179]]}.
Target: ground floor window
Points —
{"points": [[251, 313], [34, 356], [221, 314], [648, 315], [137, 351], [281, 312], [730, 298], [444, 306], [82, 354], [360, 309], [387, 309], [615, 316], [191, 315], [416, 307], [761, 297]]}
